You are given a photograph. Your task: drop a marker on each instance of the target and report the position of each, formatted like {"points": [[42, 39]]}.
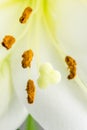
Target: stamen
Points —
{"points": [[30, 91], [25, 15], [8, 41], [27, 58], [62, 53], [71, 66]]}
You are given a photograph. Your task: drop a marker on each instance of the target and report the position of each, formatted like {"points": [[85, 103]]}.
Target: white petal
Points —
{"points": [[59, 107], [73, 33], [63, 106], [5, 87]]}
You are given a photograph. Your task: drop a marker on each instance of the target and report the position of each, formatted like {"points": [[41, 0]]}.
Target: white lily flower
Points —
{"points": [[47, 24]]}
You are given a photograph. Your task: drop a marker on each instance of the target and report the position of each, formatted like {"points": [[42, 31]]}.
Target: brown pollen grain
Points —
{"points": [[27, 58], [25, 15], [8, 41], [71, 66], [30, 91]]}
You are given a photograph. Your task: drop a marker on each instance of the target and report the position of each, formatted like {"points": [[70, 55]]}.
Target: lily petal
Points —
{"points": [[51, 105], [74, 22], [5, 87]]}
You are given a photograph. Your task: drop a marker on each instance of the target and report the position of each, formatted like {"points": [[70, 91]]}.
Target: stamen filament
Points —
{"points": [[28, 26]]}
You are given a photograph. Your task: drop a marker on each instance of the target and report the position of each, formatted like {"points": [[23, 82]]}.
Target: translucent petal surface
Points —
{"points": [[5, 87], [58, 107], [73, 33], [62, 106]]}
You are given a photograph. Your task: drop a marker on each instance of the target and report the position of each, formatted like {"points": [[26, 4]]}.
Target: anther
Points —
{"points": [[30, 91], [8, 41], [27, 58], [71, 66], [25, 15]]}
